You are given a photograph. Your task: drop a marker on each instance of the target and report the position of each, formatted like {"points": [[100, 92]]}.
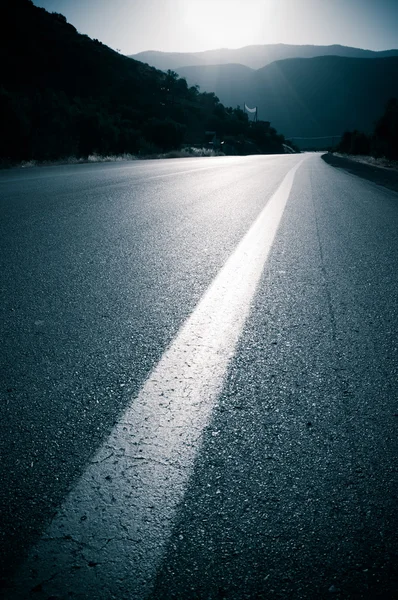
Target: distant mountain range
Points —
{"points": [[305, 91], [254, 57], [320, 96]]}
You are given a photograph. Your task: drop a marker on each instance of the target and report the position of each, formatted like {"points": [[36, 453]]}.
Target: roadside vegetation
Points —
{"points": [[98, 158], [66, 97], [381, 145]]}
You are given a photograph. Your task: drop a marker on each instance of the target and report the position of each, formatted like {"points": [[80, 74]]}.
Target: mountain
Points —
{"points": [[254, 57], [322, 96], [229, 81], [168, 60], [63, 94]]}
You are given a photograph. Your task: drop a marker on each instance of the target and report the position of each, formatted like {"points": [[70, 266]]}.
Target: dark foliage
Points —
{"points": [[383, 142], [63, 94], [385, 139], [354, 142]]}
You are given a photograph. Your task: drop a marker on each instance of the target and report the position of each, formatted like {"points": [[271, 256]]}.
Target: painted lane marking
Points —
{"points": [[108, 537]]}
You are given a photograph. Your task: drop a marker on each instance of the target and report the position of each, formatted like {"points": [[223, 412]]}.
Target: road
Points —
{"points": [[199, 381]]}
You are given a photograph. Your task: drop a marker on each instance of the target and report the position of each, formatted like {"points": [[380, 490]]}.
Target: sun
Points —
{"points": [[223, 23]]}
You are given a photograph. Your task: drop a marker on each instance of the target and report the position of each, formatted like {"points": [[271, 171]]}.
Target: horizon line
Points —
{"points": [[258, 45]]}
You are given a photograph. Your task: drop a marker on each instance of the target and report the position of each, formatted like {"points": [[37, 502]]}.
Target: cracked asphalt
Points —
{"points": [[293, 493]]}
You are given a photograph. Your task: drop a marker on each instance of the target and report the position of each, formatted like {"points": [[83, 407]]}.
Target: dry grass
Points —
{"points": [[188, 152], [382, 162]]}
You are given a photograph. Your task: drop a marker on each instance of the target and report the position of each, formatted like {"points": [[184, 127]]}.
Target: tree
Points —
{"points": [[354, 142], [165, 134], [385, 140]]}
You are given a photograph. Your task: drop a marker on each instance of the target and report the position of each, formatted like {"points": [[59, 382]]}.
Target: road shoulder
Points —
{"points": [[385, 177]]}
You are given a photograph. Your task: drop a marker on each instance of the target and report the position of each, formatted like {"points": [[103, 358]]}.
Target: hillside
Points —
{"points": [[254, 57], [163, 60], [229, 81], [63, 94], [320, 96]]}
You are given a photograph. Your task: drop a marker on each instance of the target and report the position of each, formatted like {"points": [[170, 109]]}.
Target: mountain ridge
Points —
{"points": [[253, 56], [307, 97]]}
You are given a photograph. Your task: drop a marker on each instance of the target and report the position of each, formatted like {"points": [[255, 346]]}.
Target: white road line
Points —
{"points": [[108, 537]]}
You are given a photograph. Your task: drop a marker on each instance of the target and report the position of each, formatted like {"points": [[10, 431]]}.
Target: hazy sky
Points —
{"points": [[193, 25]]}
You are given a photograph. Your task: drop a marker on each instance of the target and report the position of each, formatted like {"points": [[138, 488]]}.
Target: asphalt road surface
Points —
{"points": [[199, 381]]}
